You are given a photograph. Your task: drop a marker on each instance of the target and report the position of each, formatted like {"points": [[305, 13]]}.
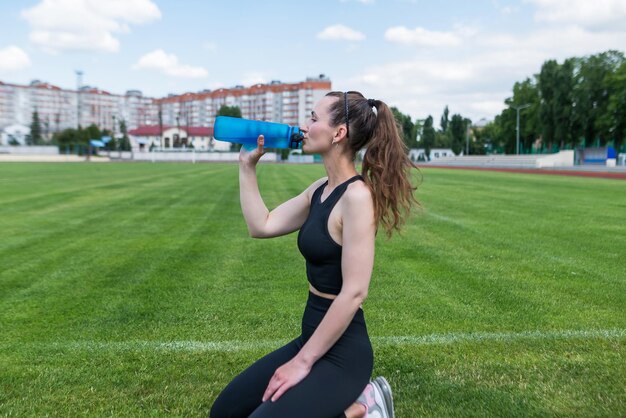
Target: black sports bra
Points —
{"points": [[321, 252]]}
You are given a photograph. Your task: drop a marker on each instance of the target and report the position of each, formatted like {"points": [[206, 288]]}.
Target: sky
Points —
{"points": [[416, 55]]}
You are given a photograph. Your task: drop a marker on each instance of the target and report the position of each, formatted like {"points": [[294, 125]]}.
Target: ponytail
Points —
{"points": [[386, 165]]}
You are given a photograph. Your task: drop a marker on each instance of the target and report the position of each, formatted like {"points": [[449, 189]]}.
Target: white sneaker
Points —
{"points": [[385, 387], [376, 397]]}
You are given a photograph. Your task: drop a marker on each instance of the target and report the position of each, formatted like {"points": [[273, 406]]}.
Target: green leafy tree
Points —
{"points": [[458, 132], [547, 89], [445, 121], [443, 139], [593, 92], [563, 103], [92, 132], [428, 136], [232, 111], [616, 114], [35, 130], [124, 141], [408, 127], [524, 93], [488, 135], [418, 128], [482, 139], [69, 136]]}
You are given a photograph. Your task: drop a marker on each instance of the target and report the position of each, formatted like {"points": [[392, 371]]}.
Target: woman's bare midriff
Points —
{"points": [[324, 295]]}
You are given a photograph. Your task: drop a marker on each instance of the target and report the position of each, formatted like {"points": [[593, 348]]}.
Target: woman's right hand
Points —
{"points": [[251, 158]]}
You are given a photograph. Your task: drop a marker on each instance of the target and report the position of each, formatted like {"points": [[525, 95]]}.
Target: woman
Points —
{"points": [[325, 372]]}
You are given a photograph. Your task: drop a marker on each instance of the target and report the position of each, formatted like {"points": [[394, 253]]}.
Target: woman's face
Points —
{"points": [[318, 134]]}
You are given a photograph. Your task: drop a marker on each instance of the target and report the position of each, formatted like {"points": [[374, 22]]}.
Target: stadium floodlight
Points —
{"points": [[518, 108]]}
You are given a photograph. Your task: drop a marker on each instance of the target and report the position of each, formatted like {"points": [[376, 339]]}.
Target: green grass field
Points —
{"points": [[134, 290]]}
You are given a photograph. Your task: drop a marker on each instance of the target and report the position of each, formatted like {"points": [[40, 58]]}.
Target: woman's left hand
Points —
{"points": [[286, 376]]}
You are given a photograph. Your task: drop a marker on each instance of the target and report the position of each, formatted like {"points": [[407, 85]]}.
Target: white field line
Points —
{"points": [[415, 340]]}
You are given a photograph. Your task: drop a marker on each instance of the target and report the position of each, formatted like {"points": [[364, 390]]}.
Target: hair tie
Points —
{"points": [[372, 103]]}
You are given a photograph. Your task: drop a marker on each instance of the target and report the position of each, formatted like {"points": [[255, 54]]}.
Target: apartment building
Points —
{"points": [[59, 108]]}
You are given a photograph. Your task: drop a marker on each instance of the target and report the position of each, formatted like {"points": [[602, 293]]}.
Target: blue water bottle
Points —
{"points": [[247, 131]]}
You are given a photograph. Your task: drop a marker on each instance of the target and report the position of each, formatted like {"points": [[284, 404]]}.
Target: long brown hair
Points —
{"points": [[386, 164]]}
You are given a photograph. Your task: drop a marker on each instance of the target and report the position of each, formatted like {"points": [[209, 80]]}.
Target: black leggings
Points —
{"points": [[335, 381]]}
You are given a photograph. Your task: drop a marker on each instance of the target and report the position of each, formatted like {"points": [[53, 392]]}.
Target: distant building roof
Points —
{"points": [[482, 123]]}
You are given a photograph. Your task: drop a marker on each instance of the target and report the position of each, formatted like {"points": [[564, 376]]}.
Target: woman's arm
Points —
{"points": [[254, 210], [357, 263], [284, 219]]}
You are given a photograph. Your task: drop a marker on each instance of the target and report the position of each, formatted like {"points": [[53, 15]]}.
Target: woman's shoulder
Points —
{"points": [[359, 192], [358, 187]]}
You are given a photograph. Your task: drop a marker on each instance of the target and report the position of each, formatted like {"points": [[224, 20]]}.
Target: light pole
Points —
{"points": [[178, 126], [117, 145], [467, 135], [79, 84], [518, 108]]}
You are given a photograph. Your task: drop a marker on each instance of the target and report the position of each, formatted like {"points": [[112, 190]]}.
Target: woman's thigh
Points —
{"points": [[244, 393], [324, 393]]}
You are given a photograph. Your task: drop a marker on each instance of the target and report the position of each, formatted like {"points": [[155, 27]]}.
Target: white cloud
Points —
{"points": [[422, 37], [475, 79], [13, 58], [85, 25], [596, 14], [168, 64], [340, 32], [554, 42]]}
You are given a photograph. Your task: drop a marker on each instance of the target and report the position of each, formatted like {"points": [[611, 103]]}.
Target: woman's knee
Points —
{"points": [[245, 392], [221, 407], [229, 405]]}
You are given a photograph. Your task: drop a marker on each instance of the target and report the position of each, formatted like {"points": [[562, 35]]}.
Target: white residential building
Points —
{"points": [[59, 108]]}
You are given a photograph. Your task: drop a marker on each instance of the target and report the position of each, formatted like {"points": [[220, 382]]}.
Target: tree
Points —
{"points": [[442, 139], [428, 136], [67, 137], [35, 130], [616, 116], [547, 86], [563, 103], [527, 92], [92, 132], [524, 93], [124, 141], [458, 132], [482, 139], [444, 120], [409, 134], [418, 128], [592, 94], [233, 111]]}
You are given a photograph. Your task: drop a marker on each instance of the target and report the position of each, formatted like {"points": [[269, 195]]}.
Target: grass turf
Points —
{"points": [[134, 289]]}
